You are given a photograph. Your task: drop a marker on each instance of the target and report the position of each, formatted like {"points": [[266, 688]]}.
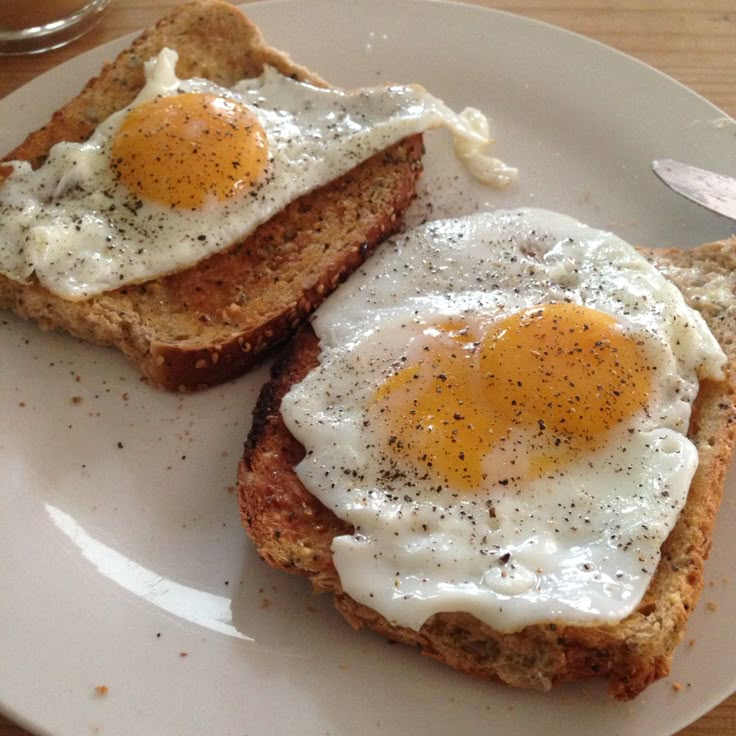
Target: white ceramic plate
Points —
{"points": [[122, 559]]}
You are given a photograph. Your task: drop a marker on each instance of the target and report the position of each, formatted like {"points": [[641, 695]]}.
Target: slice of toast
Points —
{"points": [[294, 531], [211, 322]]}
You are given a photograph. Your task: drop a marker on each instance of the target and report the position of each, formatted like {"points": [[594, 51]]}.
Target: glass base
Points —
{"points": [[35, 39]]}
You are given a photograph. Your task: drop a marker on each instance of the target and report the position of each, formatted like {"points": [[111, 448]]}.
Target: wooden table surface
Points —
{"points": [[697, 47]]}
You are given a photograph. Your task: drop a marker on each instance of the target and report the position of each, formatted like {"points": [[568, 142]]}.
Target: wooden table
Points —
{"points": [[697, 47]]}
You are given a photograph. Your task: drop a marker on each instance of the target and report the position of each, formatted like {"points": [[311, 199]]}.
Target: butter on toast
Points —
{"points": [[293, 531], [211, 322]]}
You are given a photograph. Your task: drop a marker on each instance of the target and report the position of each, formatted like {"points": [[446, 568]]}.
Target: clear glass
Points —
{"points": [[32, 26]]}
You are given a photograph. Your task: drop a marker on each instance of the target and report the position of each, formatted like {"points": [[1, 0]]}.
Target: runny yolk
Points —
{"points": [[185, 149], [530, 393]]}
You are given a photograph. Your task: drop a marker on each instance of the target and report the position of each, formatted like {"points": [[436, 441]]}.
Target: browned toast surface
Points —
{"points": [[294, 531], [211, 322]]}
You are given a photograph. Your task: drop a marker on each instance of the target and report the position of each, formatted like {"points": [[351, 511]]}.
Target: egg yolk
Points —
{"points": [[530, 392], [186, 149]]}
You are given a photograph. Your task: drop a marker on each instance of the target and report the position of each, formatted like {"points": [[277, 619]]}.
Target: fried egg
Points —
{"points": [[189, 168], [500, 412]]}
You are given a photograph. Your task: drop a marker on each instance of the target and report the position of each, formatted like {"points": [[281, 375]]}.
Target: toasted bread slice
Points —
{"points": [[211, 322], [294, 531]]}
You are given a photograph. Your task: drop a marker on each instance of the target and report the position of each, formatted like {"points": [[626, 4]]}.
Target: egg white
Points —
{"points": [[83, 233], [578, 546]]}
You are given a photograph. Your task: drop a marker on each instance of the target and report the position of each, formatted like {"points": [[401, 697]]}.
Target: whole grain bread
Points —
{"points": [[211, 322], [294, 531]]}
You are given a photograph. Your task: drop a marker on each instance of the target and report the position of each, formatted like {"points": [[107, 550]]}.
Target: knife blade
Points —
{"points": [[717, 192]]}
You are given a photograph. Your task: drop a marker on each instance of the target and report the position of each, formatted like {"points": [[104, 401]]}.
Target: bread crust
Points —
{"points": [[293, 530], [213, 321]]}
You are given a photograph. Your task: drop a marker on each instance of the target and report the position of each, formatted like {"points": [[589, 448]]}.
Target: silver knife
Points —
{"points": [[714, 191]]}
